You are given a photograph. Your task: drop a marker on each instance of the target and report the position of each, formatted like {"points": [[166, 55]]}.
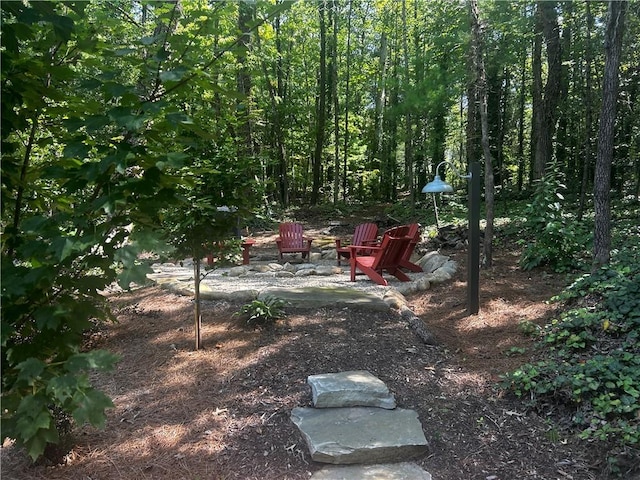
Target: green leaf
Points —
{"points": [[173, 75], [62, 388], [89, 407], [93, 360], [30, 370]]}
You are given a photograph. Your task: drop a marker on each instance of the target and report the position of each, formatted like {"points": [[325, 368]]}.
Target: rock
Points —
{"points": [[442, 273], [394, 299], [284, 274], [315, 257], [305, 272], [388, 471], [349, 389], [238, 271], [431, 261], [362, 435], [327, 270], [263, 268], [313, 297], [276, 267], [439, 276]]}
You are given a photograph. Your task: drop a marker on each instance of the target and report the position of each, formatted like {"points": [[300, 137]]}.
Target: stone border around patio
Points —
{"points": [[311, 285]]}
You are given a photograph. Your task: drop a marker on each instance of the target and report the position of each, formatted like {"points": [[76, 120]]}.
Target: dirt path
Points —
{"points": [[223, 412]]}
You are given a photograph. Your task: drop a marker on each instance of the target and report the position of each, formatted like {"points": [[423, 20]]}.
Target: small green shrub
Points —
{"points": [[554, 237], [592, 360], [263, 312]]}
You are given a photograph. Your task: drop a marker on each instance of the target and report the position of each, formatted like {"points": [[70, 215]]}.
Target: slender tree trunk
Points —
{"points": [[521, 109], [381, 100], [243, 79], [408, 120], [477, 46], [336, 105], [346, 104], [196, 309], [548, 114], [588, 113], [321, 108], [536, 93], [606, 133], [474, 147]]}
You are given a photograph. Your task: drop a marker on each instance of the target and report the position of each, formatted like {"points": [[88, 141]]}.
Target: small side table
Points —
{"points": [[246, 246]]}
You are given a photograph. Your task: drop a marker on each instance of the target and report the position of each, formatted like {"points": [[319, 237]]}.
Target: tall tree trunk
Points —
{"points": [[408, 120], [346, 103], [536, 92], [548, 113], [321, 106], [588, 113], [563, 136], [336, 105], [243, 79], [477, 46], [606, 133], [473, 147], [277, 97], [521, 110], [381, 100]]}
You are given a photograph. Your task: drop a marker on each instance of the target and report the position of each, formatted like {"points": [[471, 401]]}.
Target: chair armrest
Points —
{"points": [[355, 248]]}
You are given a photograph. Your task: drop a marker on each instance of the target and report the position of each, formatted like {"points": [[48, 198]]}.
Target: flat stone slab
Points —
{"points": [[387, 471], [360, 435], [314, 297], [357, 388]]}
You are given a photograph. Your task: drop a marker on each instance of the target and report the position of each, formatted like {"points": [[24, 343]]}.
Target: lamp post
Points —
{"points": [[473, 251]]}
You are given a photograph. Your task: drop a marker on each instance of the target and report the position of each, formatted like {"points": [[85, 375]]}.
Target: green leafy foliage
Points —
{"points": [[263, 312], [82, 196], [592, 358], [553, 237]]}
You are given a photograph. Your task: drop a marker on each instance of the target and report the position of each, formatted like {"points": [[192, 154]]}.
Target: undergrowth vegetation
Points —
{"points": [[589, 367]]}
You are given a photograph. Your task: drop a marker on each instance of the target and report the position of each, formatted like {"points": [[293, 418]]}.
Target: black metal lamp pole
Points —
{"points": [[473, 259]]}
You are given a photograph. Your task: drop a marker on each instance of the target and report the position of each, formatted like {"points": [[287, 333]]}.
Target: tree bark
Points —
{"points": [[548, 113], [606, 132], [477, 46], [321, 106], [346, 103], [588, 113]]}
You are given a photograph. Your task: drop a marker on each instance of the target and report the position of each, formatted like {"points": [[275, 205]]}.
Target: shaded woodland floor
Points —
{"points": [[223, 412]]}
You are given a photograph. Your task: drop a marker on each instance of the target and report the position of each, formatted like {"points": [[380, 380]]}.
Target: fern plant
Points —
{"points": [[263, 312]]}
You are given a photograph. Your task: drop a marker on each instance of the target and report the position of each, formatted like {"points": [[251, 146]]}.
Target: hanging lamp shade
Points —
{"points": [[437, 186]]}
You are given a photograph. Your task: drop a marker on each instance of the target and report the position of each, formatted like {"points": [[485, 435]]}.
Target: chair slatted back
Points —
{"points": [[365, 233], [391, 252], [292, 235]]}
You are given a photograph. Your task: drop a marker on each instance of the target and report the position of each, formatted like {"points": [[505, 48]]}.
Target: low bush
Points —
{"points": [[260, 313], [591, 366]]}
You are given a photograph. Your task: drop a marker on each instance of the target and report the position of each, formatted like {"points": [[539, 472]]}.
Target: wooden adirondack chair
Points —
{"points": [[387, 257], [293, 240], [364, 234], [413, 231]]}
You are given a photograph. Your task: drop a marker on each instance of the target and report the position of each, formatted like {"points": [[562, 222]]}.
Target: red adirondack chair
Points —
{"points": [[387, 257], [364, 234], [293, 240], [413, 231]]}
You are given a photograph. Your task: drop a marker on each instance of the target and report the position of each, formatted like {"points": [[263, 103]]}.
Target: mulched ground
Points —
{"points": [[223, 412]]}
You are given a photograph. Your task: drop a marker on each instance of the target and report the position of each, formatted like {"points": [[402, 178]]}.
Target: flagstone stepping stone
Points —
{"points": [[362, 435], [312, 297], [387, 471], [350, 389]]}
